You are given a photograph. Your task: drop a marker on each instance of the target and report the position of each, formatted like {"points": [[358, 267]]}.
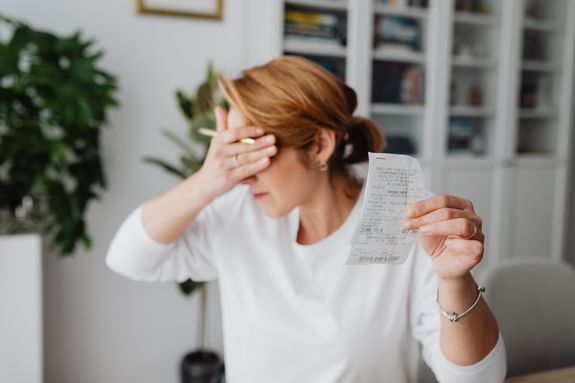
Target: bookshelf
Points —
{"points": [[481, 96], [317, 30], [398, 73]]}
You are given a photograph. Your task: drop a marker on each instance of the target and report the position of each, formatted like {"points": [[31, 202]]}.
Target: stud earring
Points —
{"points": [[322, 166]]}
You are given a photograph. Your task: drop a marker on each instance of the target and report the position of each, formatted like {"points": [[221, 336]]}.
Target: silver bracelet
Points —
{"points": [[454, 317]]}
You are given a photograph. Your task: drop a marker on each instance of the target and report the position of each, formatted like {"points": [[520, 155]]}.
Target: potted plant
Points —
{"points": [[54, 101], [201, 365]]}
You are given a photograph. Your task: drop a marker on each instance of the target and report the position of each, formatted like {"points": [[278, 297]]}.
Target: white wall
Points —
{"points": [[570, 247], [100, 327]]}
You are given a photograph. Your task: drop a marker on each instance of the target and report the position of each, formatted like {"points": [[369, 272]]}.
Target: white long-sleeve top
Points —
{"points": [[297, 313]]}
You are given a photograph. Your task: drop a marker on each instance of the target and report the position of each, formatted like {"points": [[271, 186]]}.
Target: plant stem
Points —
{"points": [[203, 317]]}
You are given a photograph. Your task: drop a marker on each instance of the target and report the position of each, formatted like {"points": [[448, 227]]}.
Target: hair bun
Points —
{"points": [[363, 136]]}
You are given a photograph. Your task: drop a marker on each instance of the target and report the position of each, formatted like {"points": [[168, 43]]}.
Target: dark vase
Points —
{"points": [[202, 367]]}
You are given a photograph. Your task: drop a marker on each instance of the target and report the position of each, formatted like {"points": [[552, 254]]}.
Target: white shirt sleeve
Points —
{"points": [[136, 255], [425, 324]]}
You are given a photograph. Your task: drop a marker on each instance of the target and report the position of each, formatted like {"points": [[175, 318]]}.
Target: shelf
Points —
{"points": [[311, 46], [474, 18], [340, 5], [541, 25], [537, 113], [470, 111], [543, 159], [398, 109], [473, 62], [391, 54], [469, 160], [412, 12], [539, 66]]}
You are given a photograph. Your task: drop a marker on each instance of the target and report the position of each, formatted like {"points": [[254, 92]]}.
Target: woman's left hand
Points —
{"points": [[450, 231]]}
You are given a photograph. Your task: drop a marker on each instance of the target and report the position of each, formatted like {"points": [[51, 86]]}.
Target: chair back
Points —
{"points": [[534, 303]]}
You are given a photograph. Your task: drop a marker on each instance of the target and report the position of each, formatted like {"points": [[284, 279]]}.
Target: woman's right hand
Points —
{"points": [[229, 161]]}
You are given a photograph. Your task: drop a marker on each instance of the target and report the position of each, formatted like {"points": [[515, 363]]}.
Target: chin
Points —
{"points": [[275, 212]]}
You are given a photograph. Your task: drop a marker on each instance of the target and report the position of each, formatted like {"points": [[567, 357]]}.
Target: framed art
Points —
{"points": [[203, 9]]}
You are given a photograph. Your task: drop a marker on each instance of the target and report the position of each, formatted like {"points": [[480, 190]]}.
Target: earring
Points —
{"points": [[321, 165]]}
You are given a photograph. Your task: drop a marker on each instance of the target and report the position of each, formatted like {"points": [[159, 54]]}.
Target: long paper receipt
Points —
{"points": [[393, 183]]}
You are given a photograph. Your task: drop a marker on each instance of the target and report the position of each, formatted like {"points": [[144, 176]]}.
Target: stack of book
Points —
{"points": [[315, 25], [405, 3], [398, 83]]}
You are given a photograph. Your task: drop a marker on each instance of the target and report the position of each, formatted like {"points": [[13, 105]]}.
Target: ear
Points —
{"points": [[325, 145]]}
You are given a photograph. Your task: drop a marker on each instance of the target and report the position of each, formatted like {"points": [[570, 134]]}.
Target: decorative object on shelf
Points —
{"points": [[201, 365], [464, 137], [54, 103], [528, 94], [404, 3], [476, 6], [203, 9], [397, 33], [475, 96]]}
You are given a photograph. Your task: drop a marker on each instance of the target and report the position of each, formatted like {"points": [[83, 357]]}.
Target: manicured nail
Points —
{"points": [[270, 139], [259, 131]]}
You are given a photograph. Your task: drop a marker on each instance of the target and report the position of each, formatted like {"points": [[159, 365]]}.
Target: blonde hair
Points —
{"points": [[293, 98]]}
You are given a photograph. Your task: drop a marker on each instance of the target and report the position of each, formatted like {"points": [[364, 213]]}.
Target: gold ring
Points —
{"points": [[474, 232]]}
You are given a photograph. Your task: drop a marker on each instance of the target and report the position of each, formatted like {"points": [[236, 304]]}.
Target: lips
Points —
{"points": [[259, 196]]}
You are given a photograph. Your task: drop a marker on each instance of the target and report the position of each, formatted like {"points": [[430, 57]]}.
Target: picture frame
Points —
{"points": [[202, 9]]}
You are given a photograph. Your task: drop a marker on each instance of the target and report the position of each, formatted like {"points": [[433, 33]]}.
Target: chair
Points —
{"points": [[533, 300], [534, 303]]}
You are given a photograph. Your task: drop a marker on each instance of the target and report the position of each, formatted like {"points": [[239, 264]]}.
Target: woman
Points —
{"points": [[292, 310]]}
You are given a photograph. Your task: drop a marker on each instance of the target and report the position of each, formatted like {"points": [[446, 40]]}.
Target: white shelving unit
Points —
{"points": [[515, 168], [21, 348]]}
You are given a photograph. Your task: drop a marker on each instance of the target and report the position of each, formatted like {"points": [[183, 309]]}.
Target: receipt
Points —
{"points": [[393, 183]]}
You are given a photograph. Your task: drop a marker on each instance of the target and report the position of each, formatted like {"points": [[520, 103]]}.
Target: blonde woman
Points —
{"points": [[273, 221]]}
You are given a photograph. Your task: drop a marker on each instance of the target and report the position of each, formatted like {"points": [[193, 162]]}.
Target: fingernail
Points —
{"points": [[270, 139], [259, 131], [271, 150], [407, 225], [409, 212]]}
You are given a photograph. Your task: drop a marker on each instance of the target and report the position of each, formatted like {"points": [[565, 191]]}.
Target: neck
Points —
{"points": [[327, 210]]}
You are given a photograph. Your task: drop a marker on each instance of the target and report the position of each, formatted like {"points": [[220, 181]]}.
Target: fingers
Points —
{"points": [[474, 248], [250, 169], [239, 147], [459, 227], [442, 214], [253, 156], [221, 119], [230, 136], [428, 205]]}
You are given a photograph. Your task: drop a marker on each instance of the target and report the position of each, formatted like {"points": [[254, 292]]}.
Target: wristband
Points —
{"points": [[454, 317]]}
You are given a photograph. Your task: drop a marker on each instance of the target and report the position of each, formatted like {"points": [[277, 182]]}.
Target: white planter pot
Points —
{"points": [[21, 309]]}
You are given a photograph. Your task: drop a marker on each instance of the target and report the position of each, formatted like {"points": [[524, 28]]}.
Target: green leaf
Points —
{"points": [[185, 104], [51, 113], [178, 141], [167, 167]]}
